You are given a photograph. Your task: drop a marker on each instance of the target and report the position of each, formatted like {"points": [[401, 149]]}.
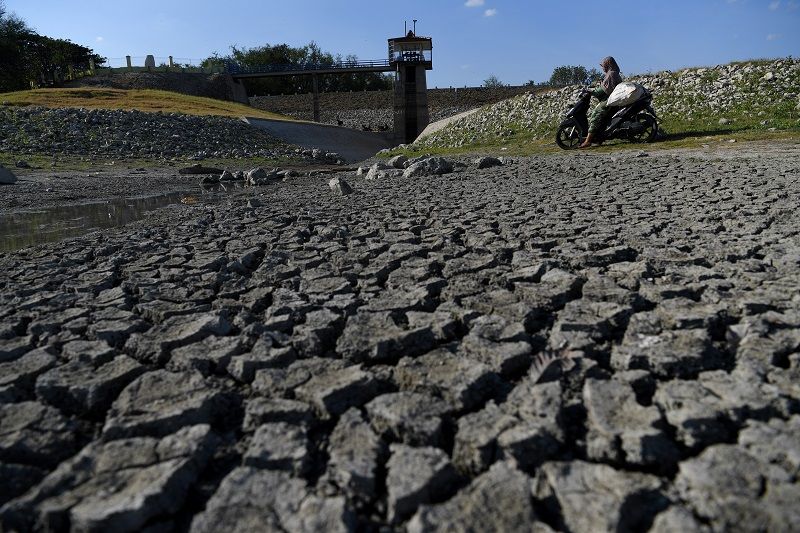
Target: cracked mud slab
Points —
{"points": [[561, 343]]}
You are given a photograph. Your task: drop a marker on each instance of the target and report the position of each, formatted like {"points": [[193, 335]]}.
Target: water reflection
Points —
{"points": [[18, 230]]}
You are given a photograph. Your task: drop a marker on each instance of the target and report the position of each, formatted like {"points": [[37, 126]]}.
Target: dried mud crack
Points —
{"points": [[576, 344]]}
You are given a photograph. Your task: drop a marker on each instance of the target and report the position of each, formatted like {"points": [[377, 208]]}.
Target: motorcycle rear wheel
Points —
{"points": [[569, 136], [650, 131]]}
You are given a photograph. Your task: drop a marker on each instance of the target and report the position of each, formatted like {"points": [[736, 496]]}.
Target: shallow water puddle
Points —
{"points": [[28, 228]]}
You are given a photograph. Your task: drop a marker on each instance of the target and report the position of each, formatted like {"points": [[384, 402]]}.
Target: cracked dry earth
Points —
{"points": [[588, 344]]}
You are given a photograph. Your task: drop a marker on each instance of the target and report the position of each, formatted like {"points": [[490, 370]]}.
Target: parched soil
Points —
{"points": [[588, 342]]}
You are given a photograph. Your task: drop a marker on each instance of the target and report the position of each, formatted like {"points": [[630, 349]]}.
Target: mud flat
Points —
{"points": [[579, 343]]}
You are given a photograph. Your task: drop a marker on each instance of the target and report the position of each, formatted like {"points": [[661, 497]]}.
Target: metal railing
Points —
{"points": [[235, 68]]}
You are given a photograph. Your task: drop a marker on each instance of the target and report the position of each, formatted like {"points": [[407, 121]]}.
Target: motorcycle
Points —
{"points": [[636, 122]]}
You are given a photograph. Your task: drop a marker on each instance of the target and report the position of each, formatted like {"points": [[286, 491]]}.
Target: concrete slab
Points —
{"points": [[351, 145], [440, 124]]}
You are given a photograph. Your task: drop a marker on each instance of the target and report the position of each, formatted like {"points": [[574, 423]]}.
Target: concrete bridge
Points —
{"points": [[409, 58]]}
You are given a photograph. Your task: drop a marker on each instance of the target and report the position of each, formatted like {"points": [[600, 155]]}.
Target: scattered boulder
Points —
{"points": [[427, 167], [227, 175], [7, 177], [259, 176], [488, 162], [398, 161], [340, 186]]}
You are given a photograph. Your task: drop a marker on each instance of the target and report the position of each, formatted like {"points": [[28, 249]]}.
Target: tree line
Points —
{"points": [[562, 76], [310, 54], [26, 56]]}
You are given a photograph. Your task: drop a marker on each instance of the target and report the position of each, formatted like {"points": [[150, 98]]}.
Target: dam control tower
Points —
{"points": [[410, 57]]}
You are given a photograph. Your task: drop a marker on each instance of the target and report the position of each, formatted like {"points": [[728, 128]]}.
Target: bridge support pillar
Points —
{"points": [[315, 88]]}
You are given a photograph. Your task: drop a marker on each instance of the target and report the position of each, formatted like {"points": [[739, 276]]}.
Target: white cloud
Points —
{"points": [[774, 36], [490, 13], [774, 6], [99, 39], [466, 67], [475, 3]]}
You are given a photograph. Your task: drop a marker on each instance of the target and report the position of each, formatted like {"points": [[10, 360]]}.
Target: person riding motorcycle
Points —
{"points": [[611, 79]]}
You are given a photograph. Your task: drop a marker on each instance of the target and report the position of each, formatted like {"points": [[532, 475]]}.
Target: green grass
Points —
{"points": [[147, 100]]}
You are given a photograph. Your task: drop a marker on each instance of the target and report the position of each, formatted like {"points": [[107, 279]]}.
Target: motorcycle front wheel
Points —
{"points": [[569, 135], [648, 129]]}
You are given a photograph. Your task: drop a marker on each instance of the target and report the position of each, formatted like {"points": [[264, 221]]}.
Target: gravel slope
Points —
{"points": [[584, 343], [762, 94]]}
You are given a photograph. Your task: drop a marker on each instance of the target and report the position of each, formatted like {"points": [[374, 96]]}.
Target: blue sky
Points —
{"points": [[516, 40]]}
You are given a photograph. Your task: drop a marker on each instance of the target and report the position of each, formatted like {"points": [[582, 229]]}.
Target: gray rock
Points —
{"points": [[210, 355], [620, 430], [505, 358], [82, 389], [476, 439], [355, 453], [677, 518], [539, 435], [340, 186], [595, 497], [498, 500], [264, 500], [254, 203], [15, 347], [282, 382], [427, 167], [731, 489], [264, 411], [417, 476], [161, 402], [707, 410], [244, 367], [488, 162], [671, 354], [259, 176], [177, 331], [7, 177], [397, 161], [462, 383], [279, 446], [115, 486], [227, 175], [374, 337], [409, 417], [34, 434], [22, 373], [95, 353], [335, 391]]}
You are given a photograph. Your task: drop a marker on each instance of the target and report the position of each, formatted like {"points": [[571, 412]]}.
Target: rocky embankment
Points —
{"points": [[583, 344], [374, 110], [97, 133], [758, 94]]}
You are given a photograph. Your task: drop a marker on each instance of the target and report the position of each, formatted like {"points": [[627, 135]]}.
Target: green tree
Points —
{"points": [[26, 56], [574, 75], [283, 55], [492, 82]]}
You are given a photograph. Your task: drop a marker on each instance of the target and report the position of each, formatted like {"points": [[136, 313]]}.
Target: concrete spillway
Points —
{"points": [[351, 145]]}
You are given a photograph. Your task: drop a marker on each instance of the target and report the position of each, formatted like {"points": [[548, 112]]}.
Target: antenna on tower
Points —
{"points": [[405, 27], [415, 26]]}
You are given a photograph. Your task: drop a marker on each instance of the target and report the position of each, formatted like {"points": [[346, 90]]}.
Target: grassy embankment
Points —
{"points": [[686, 117], [146, 100]]}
